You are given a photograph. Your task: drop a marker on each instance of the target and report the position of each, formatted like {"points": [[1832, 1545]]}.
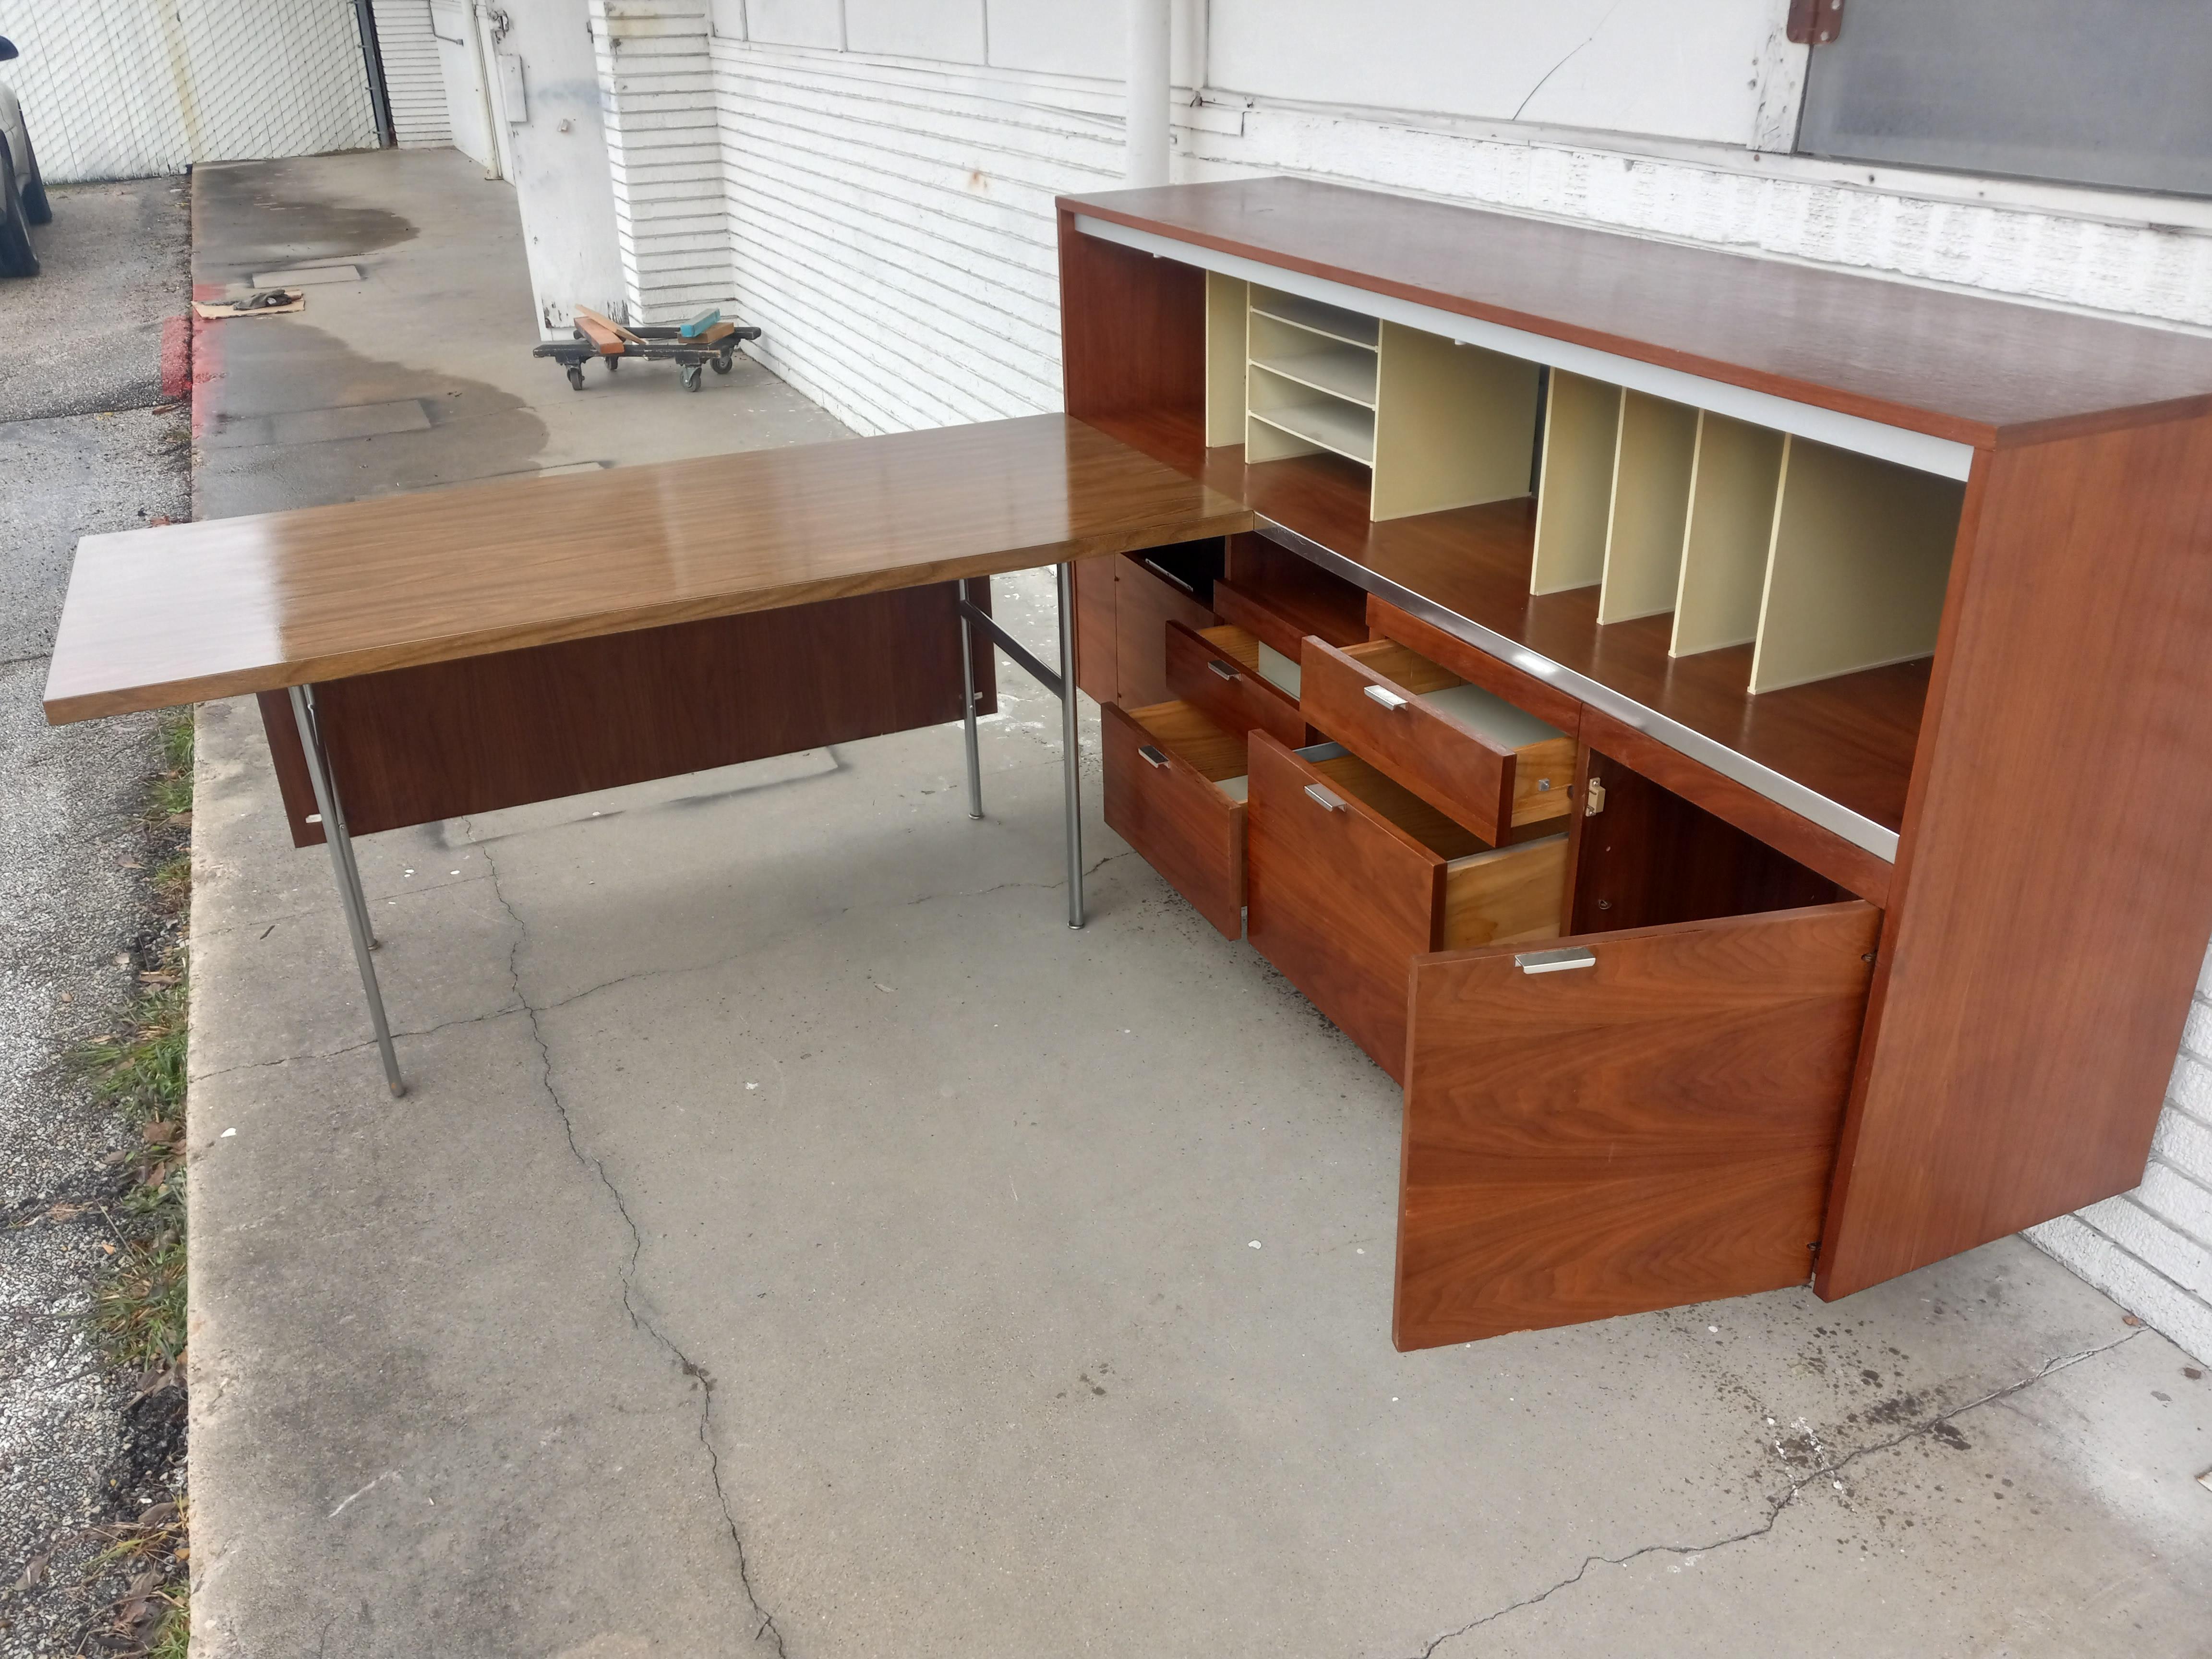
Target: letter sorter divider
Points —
{"points": [[1653, 451], [1574, 497]]}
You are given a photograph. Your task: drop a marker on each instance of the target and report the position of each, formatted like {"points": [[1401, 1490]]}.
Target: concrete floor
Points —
{"points": [[85, 446], [796, 1240]]}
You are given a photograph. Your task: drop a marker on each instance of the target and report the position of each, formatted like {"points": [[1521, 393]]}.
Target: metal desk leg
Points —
{"points": [[1072, 759], [968, 703], [349, 873]]}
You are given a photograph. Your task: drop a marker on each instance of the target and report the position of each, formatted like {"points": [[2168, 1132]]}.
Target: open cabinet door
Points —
{"points": [[1650, 1127]]}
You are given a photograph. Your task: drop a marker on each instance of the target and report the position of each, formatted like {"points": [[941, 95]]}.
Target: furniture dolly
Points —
{"points": [[1731, 739]]}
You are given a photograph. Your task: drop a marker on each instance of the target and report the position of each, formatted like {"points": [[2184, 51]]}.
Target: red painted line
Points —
{"points": [[176, 358]]}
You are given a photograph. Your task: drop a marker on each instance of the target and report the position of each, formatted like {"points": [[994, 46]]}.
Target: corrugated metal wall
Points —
{"points": [[126, 88], [412, 76]]}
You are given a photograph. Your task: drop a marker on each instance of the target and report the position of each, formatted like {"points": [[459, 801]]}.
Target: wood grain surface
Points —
{"points": [[1461, 770], [189, 611], [1652, 857], [1977, 370], [2054, 888], [418, 745], [1340, 900], [1654, 1130], [1183, 827], [1144, 605], [1239, 699]]}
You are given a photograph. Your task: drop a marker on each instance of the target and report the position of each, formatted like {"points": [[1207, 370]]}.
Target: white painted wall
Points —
{"points": [[556, 154], [887, 169], [128, 89]]}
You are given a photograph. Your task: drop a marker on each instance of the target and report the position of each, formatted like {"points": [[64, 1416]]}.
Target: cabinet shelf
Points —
{"points": [[1330, 322], [1343, 428], [1341, 370]]}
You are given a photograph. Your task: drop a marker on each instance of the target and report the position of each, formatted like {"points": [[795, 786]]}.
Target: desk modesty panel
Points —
{"points": [[1848, 591], [186, 612]]}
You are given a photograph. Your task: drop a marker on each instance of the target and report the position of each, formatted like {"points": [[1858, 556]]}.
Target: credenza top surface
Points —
{"points": [[1977, 370], [185, 612]]}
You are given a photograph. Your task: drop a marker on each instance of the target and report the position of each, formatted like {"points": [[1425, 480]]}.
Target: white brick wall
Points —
{"points": [[893, 230], [412, 77], [2151, 1250], [657, 106], [890, 221]]}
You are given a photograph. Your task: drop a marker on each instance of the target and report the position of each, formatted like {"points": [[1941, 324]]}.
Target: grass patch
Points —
{"points": [[138, 1313], [171, 797], [143, 1073]]}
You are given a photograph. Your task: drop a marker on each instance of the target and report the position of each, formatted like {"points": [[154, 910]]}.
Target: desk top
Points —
{"points": [[186, 612], [1972, 367]]}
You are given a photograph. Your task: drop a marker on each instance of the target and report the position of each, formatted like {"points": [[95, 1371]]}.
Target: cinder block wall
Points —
{"points": [[887, 175]]}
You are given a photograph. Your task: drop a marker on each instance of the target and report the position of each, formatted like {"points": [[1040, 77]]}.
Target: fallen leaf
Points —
{"points": [[155, 1514], [160, 1132]]}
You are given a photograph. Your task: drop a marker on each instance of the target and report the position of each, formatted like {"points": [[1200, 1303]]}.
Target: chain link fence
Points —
{"points": [[126, 88]]}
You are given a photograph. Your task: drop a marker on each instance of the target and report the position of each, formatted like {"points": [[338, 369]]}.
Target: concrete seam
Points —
{"points": [[638, 1320], [1776, 1506]]}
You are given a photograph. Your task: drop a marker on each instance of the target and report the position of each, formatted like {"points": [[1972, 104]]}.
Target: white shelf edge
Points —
{"points": [[1919, 449], [1307, 380], [1313, 329], [1321, 438]]}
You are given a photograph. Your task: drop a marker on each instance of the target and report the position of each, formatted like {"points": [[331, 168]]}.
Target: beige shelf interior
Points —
{"points": [[1574, 496], [1859, 559], [1329, 322], [1737, 470], [1654, 445], [1454, 425], [1309, 418], [1314, 359], [1226, 301]]}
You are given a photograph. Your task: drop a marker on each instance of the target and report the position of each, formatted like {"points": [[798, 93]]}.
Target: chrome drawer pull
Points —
{"points": [[1330, 801], [1153, 756], [1226, 670], [1556, 961], [1385, 696]]}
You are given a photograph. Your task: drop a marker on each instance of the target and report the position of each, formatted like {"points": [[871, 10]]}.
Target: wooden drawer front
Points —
{"points": [[1163, 798], [1341, 899], [1218, 670], [1371, 699]]}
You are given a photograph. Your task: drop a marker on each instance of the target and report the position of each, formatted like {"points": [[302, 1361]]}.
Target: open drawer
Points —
{"points": [[1240, 682], [1175, 791], [1492, 767], [1625, 1120], [1351, 876]]}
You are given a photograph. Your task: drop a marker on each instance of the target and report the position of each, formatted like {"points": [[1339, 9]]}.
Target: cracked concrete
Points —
{"points": [[796, 1240]]}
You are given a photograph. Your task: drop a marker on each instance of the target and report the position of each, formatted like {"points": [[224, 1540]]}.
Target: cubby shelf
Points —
{"points": [[1329, 322], [1334, 426]]}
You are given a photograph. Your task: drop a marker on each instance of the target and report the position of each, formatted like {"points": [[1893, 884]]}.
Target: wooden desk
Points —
{"points": [[426, 656]]}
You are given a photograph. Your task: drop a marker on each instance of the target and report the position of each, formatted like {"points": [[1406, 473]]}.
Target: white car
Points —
{"points": [[22, 193]]}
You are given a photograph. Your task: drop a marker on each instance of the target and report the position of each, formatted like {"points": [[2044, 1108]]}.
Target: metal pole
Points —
{"points": [[372, 53], [1071, 729], [349, 873], [968, 706]]}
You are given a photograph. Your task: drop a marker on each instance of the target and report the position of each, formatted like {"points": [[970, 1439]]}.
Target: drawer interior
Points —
{"points": [[1441, 836], [1185, 732], [1481, 711], [1248, 650], [1507, 895]]}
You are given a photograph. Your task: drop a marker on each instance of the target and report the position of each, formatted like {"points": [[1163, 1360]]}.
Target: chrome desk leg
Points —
{"points": [[968, 703], [305, 717], [1072, 759]]}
